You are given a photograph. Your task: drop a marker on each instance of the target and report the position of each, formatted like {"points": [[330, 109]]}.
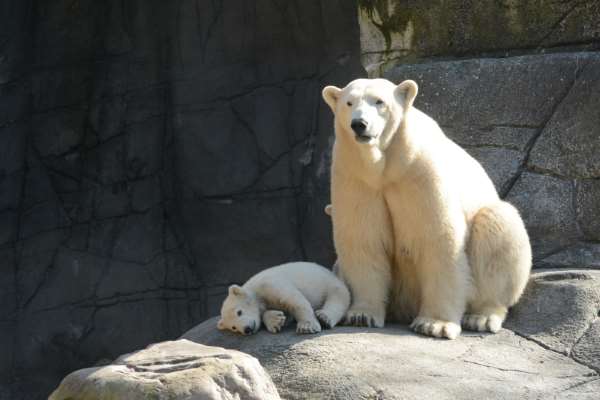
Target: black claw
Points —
{"points": [[324, 323]]}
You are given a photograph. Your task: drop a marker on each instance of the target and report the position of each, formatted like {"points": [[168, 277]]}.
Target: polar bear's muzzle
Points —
{"points": [[250, 329], [359, 126]]}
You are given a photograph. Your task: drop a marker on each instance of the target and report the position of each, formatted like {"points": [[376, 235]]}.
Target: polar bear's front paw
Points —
{"points": [[325, 320], [308, 326], [274, 320], [482, 323], [435, 327], [359, 317]]}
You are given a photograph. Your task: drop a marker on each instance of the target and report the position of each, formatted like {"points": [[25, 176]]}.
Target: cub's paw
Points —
{"points": [[435, 327], [274, 320], [308, 327], [482, 323], [324, 319], [360, 317]]}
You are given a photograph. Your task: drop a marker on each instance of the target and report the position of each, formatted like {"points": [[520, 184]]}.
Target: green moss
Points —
{"points": [[459, 27], [396, 21]]}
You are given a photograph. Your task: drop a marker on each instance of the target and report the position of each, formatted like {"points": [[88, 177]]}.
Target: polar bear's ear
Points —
{"points": [[221, 325], [236, 290], [331, 94], [406, 92], [328, 209]]}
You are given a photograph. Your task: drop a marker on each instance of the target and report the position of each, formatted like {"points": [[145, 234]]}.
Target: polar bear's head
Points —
{"points": [[370, 110], [240, 312]]}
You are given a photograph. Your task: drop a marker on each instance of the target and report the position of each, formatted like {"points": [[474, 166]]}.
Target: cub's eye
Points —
{"points": [[349, 104], [239, 313], [379, 102], [233, 328]]}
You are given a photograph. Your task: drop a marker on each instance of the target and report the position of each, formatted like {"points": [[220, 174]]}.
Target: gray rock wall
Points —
{"points": [[152, 153], [516, 84], [533, 123], [394, 31]]}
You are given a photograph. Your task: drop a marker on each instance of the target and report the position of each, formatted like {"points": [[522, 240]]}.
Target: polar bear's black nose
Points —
{"points": [[247, 330], [359, 126]]}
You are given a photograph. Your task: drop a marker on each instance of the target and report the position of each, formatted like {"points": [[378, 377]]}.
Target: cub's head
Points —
{"points": [[370, 111], [240, 312]]}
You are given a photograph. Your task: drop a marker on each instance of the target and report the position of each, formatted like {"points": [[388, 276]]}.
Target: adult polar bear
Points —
{"points": [[418, 225]]}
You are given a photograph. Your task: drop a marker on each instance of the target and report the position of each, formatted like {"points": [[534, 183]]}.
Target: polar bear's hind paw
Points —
{"points": [[308, 327], [324, 319], [363, 318]]}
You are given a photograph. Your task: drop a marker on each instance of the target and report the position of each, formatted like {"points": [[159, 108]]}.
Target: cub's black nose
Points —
{"points": [[247, 330], [359, 126]]}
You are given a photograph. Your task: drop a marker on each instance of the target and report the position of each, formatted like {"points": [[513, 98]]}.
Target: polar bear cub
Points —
{"points": [[297, 288], [419, 229]]}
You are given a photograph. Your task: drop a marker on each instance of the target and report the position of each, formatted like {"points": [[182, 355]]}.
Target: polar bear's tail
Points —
{"points": [[500, 257]]}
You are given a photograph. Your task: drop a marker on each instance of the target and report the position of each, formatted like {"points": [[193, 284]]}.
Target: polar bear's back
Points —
{"points": [[467, 178], [453, 167], [313, 280]]}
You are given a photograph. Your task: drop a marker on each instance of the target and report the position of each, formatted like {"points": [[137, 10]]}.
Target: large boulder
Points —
{"points": [[551, 352], [172, 370]]}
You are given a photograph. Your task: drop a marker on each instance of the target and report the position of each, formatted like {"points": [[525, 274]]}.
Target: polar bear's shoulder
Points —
{"points": [[423, 126], [291, 270]]}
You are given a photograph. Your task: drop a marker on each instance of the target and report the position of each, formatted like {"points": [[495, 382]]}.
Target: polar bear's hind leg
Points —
{"points": [[500, 257], [291, 300], [335, 306]]}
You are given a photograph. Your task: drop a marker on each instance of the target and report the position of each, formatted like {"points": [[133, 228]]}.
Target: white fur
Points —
{"points": [[296, 288], [419, 229]]}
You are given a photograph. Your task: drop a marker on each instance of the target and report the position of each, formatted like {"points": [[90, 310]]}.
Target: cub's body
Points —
{"points": [[297, 288]]}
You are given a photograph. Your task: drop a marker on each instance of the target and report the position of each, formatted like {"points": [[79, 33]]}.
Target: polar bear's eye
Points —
{"points": [[239, 313], [379, 102], [349, 104], [233, 328]]}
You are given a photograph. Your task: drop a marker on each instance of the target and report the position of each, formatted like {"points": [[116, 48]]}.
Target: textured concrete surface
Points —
{"points": [[560, 310], [550, 350], [394, 363]]}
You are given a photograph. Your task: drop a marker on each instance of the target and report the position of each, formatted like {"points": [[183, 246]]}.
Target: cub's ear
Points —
{"points": [[328, 209], [221, 325], [331, 94], [235, 290], [406, 92]]}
